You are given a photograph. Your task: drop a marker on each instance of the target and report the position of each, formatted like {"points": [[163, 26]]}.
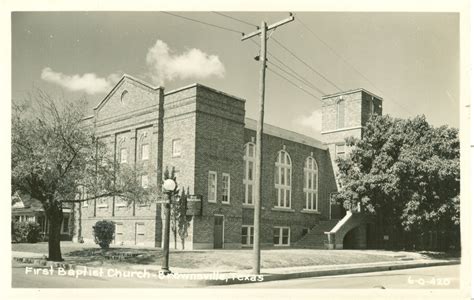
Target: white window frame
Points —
{"points": [[280, 236], [119, 224], [224, 192], [147, 181], [214, 199], [123, 158], [249, 159], [250, 233], [310, 187], [62, 225], [176, 148], [143, 152], [286, 168]]}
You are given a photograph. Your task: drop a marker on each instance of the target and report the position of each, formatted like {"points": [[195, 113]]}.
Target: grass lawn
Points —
{"points": [[217, 260]]}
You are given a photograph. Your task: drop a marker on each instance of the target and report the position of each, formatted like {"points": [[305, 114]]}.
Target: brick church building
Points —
{"points": [[203, 133]]}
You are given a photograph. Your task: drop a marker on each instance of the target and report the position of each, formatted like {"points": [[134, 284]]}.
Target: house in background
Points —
{"points": [[27, 209]]}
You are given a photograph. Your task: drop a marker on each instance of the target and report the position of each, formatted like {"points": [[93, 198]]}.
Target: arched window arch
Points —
{"points": [[341, 107], [283, 179], [249, 175], [310, 188]]}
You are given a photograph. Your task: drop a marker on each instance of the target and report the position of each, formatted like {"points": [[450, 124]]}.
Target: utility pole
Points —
{"points": [[258, 157]]}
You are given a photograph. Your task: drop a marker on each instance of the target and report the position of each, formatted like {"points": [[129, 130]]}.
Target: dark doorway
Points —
{"points": [[218, 232]]}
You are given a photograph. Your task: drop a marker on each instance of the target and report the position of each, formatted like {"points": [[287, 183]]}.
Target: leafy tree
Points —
{"points": [[183, 218], [55, 154], [405, 172]]}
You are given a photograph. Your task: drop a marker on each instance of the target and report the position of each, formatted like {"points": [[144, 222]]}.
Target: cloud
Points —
{"points": [[88, 82], [193, 63], [312, 121]]}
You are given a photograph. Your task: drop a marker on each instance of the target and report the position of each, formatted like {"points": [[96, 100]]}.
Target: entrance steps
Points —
{"points": [[316, 237]]}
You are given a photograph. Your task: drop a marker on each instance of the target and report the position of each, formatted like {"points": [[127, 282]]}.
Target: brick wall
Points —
{"points": [[219, 148], [128, 118], [296, 218]]}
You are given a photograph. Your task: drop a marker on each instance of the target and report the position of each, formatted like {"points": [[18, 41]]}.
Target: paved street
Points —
{"points": [[431, 277], [441, 277]]}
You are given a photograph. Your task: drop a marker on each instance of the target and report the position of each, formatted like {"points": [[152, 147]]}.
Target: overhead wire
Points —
{"points": [[307, 65], [292, 83], [235, 19], [202, 22]]}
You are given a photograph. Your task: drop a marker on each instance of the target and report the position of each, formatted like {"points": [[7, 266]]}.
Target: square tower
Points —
{"points": [[344, 115]]}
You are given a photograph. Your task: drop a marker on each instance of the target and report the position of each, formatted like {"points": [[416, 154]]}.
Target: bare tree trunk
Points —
{"points": [[55, 218]]}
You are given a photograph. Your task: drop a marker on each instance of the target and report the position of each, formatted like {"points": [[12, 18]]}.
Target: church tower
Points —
{"points": [[343, 115]]}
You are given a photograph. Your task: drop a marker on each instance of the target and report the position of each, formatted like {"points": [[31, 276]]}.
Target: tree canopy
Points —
{"points": [[406, 170], [56, 155]]}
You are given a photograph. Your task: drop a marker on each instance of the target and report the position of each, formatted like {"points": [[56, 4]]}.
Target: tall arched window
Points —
{"points": [[283, 180], [341, 105], [249, 175], [310, 188]]}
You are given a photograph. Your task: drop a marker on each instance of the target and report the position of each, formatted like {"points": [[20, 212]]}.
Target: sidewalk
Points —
{"points": [[203, 277]]}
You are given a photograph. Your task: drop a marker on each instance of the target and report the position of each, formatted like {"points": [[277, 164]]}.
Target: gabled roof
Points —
{"points": [[24, 201], [124, 78]]}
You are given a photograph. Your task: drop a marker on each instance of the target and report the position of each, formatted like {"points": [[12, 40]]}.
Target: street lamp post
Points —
{"points": [[169, 186]]}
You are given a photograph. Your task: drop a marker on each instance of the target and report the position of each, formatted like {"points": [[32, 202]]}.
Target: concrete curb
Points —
{"points": [[352, 270], [265, 277]]}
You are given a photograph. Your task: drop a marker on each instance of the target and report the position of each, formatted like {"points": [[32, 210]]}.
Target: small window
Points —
{"points": [[225, 188], [123, 97], [123, 155], [341, 107], [145, 151], [144, 181], [247, 235], [176, 148], [212, 186], [281, 236], [249, 173], [65, 227]]}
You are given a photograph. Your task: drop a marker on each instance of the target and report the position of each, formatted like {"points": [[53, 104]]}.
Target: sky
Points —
{"points": [[411, 60]]}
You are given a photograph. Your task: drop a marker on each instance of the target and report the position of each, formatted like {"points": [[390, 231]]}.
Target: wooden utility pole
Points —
{"points": [[258, 157]]}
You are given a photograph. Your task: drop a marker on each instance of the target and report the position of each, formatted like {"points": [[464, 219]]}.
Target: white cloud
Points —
{"points": [[312, 121], [193, 63], [88, 82]]}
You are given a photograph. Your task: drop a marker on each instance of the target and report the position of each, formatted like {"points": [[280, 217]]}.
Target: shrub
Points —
{"points": [[25, 232], [104, 232]]}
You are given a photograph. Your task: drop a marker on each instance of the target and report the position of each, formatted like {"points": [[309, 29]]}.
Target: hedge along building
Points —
{"points": [[204, 135]]}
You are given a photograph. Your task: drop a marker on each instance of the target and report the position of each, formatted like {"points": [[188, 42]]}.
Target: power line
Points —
{"points": [[346, 61], [307, 65], [235, 19], [292, 83], [295, 74], [201, 22], [334, 51], [296, 77]]}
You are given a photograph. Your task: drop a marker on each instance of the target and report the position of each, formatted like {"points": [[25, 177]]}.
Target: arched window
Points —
{"points": [[249, 175], [341, 105], [283, 180], [310, 188]]}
